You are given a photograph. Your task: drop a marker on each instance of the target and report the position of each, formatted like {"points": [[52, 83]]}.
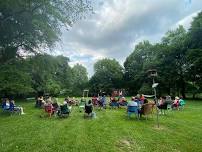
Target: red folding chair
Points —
{"points": [[49, 109]]}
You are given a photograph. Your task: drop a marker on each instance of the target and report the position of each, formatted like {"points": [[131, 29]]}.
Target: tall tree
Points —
{"points": [[176, 43], [31, 24], [108, 75], [50, 74], [15, 80], [136, 66], [195, 32], [194, 55], [79, 79], [194, 76]]}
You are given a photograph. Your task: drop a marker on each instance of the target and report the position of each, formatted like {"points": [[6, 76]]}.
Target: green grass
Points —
{"points": [[110, 131]]}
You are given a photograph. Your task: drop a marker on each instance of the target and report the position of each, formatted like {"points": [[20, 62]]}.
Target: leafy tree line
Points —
{"points": [[177, 59], [42, 74]]}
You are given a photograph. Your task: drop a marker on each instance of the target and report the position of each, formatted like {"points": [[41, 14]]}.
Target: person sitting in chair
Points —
{"points": [[141, 110], [64, 110], [142, 98], [16, 108], [103, 102], [132, 102], [114, 102], [6, 104], [122, 101], [88, 108], [132, 107], [176, 103], [55, 106], [162, 105], [181, 103]]}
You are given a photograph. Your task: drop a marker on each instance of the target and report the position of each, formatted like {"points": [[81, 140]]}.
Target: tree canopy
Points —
{"points": [[42, 74], [108, 75], [32, 25]]}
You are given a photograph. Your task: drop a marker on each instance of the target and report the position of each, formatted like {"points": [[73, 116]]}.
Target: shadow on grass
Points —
{"points": [[5, 114]]}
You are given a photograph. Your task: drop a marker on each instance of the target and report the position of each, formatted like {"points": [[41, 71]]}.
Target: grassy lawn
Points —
{"points": [[110, 131]]}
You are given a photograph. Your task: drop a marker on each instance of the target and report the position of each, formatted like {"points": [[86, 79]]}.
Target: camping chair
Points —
{"points": [[114, 103], [6, 109], [122, 102], [82, 104], [49, 109], [163, 107], [133, 110], [181, 104], [88, 110], [95, 101], [13, 109], [64, 111], [169, 106], [147, 109], [169, 103]]}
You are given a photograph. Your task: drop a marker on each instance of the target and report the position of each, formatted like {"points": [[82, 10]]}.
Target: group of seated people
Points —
{"points": [[9, 105], [121, 100], [99, 101], [166, 102], [40, 102], [52, 107], [139, 105], [71, 101]]}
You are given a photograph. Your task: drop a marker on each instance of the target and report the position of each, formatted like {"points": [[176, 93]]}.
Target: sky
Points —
{"points": [[116, 26]]}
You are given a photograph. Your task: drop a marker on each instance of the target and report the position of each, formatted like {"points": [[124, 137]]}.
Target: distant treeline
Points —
{"points": [[42, 74]]}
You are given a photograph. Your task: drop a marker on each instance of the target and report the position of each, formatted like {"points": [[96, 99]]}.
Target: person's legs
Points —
{"points": [[21, 111], [18, 110]]}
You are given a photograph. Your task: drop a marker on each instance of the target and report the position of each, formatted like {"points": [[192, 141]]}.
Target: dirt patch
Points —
{"points": [[159, 128], [126, 145]]}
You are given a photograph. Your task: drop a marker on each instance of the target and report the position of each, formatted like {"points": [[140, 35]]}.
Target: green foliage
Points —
{"points": [[195, 32], [194, 77], [108, 75], [172, 58], [14, 80], [42, 73], [49, 71], [137, 64], [146, 89], [79, 79], [30, 25]]}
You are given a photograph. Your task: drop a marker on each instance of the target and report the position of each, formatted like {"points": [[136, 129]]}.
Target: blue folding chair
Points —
{"points": [[133, 110], [4, 107]]}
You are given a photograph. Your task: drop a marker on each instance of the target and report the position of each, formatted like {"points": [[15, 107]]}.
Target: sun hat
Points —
{"points": [[177, 98]]}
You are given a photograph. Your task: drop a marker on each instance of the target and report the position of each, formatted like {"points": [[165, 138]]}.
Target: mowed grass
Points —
{"points": [[111, 131]]}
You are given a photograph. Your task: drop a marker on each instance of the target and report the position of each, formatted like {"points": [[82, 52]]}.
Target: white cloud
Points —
{"points": [[118, 25], [186, 21]]}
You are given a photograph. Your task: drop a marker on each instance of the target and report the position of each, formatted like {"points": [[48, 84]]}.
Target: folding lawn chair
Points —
{"points": [[63, 111], [133, 110]]}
